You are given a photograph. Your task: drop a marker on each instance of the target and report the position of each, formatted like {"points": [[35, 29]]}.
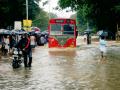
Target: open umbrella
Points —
{"points": [[1, 31], [18, 32], [8, 32]]}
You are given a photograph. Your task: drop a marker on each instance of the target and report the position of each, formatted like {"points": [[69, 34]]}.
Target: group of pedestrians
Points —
{"points": [[24, 42], [5, 45]]}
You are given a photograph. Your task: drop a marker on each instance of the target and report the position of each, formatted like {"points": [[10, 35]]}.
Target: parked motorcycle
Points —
{"points": [[16, 58]]}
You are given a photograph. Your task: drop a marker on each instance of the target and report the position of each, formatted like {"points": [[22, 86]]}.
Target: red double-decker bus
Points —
{"points": [[62, 33]]}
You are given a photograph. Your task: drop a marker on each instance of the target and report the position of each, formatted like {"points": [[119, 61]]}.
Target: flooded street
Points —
{"points": [[69, 69]]}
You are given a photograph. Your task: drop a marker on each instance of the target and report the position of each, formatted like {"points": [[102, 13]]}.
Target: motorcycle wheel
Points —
{"points": [[15, 64]]}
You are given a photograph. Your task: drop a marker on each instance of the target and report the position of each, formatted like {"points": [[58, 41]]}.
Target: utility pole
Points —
{"points": [[27, 9], [49, 10]]}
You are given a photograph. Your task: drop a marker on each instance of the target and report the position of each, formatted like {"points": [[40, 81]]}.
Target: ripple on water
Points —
{"points": [[64, 70]]}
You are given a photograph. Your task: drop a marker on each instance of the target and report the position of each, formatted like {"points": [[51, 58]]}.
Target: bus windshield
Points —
{"points": [[68, 29], [56, 29]]}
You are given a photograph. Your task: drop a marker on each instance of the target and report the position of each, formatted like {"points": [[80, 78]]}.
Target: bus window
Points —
{"points": [[56, 29], [68, 29]]}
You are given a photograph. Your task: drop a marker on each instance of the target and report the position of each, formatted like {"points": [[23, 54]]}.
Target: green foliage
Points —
{"points": [[52, 15], [104, 14], [73, 16], [41, 20], [15, 10]]}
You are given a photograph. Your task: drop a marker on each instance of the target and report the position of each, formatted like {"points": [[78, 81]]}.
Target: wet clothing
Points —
{"points": [[24, 45], [12, 43], [32, 43], [6, 40], [102, 45], [5, 46]]}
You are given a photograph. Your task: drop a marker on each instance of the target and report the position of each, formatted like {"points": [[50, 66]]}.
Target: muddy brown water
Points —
{"points": [[77, 69]]}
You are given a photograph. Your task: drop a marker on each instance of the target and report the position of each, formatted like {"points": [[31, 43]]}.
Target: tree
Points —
{"points": [[42, 20], [104, 13], [15, 10], [52, 15], [73, 16]]}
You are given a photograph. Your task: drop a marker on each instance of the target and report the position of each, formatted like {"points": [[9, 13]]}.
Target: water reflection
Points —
{"points": [[63, 52]]}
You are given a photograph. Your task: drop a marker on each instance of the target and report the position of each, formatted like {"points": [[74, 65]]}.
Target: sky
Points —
{"points": [[52, 4]]}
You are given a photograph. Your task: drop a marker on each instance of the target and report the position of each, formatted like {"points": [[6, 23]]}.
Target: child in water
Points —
{"points": [[102, 44]]}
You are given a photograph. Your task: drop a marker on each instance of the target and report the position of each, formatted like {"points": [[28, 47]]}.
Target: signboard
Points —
{"points": [[68, 20], [59, 21], [17, 25], [27, 23]]}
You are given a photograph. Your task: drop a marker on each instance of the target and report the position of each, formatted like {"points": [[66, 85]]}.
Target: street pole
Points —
{"points": [[27, 9], [49, 10]]}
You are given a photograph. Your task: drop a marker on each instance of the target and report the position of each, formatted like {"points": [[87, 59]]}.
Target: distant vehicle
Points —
{"points": [[62, 33]]}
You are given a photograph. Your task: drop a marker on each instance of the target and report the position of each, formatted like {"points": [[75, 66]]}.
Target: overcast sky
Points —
{"points": [[53, 4]]}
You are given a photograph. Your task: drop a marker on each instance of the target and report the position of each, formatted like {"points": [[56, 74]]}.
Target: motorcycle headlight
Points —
{"points": [[15, 52]]}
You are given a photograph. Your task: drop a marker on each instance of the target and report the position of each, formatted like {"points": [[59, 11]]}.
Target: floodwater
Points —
{"points": [[66, 69]]}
